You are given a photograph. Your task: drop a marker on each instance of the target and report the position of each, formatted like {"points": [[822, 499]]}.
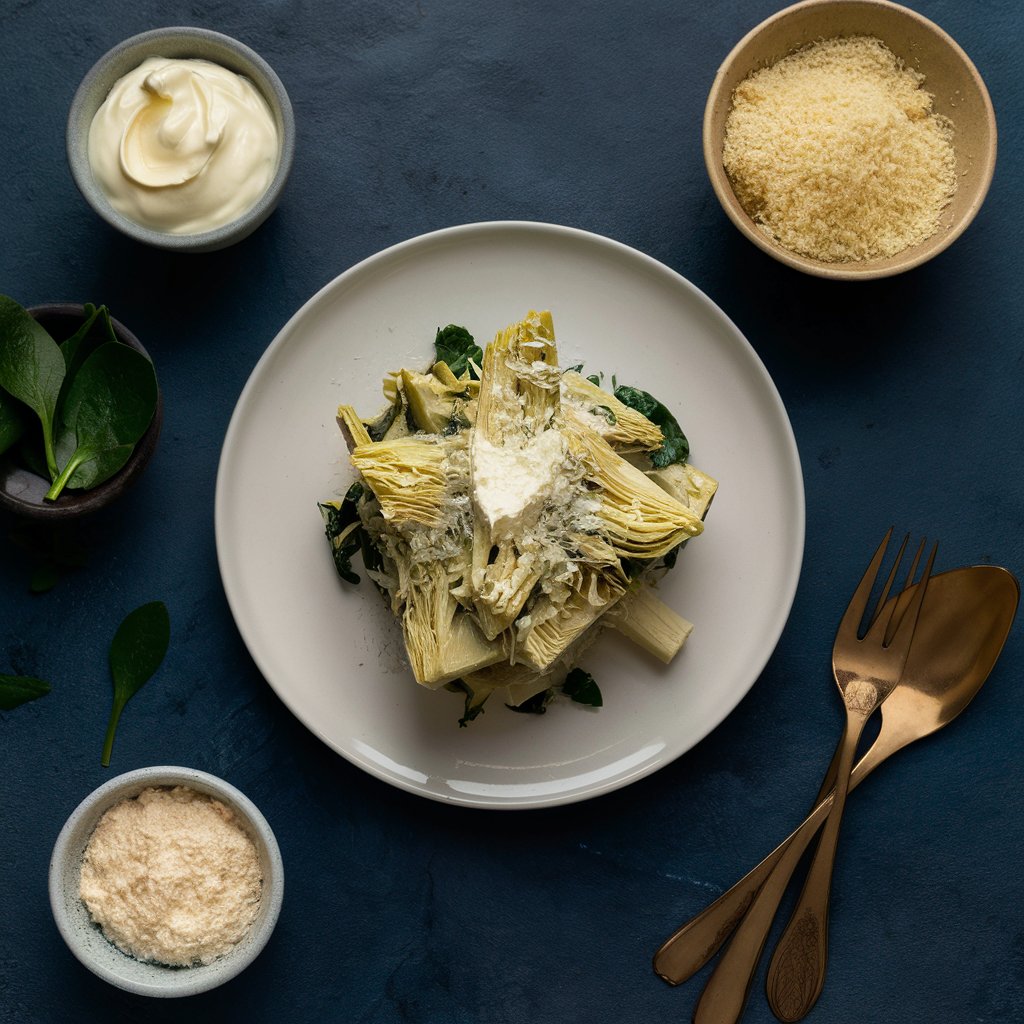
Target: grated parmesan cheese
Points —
{"points": [[836, 154], [171, 877]]}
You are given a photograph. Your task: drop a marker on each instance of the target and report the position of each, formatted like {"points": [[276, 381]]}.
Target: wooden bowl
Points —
{"points": [[22, 491], [958, 90]]}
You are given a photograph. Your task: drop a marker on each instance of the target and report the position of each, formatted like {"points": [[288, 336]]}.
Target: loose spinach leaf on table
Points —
{"points": [[455, 346], [675, 448], [108, 407], [15, 690], [138, 648], [32, 369]]}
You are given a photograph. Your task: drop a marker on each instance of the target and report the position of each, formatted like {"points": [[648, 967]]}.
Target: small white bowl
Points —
{"points": [[83, 935], [178, 42]]}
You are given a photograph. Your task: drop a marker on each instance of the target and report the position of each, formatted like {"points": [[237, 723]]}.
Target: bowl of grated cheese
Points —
{"points": [[849, 139], [166, 882]]}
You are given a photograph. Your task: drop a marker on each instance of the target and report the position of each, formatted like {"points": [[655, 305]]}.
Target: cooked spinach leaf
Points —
{"points": [[382, 424], [455, 346], [580, 686], [474, 705], [535, 705], [675, 448], [344, 529], [15, 690], [138, 648]]}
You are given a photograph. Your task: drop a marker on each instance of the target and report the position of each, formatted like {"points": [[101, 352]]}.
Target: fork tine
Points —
{"points": [[904, 631], [890, 579], [903, 598], [849, 625]]}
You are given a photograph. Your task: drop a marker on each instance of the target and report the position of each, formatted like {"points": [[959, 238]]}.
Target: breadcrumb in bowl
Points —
{"points": [[812, 182]]}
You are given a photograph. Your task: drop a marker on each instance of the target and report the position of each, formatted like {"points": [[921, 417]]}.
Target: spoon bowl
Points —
{"points": [[967, 617]]}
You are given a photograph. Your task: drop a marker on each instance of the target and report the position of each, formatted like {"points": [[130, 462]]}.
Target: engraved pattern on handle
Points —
{"points": [[788, 972], [790, 992]]}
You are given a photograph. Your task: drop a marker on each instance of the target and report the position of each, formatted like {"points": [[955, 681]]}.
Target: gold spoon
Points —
{"points": [[964, 623]]}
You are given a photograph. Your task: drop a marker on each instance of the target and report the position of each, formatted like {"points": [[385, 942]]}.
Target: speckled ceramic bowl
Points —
{"points": [[84, 937], [23, 492], [179, 42], [958, 91]]}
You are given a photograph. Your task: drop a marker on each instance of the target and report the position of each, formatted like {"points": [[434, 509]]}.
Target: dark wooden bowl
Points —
{"points": [[22, 491]]}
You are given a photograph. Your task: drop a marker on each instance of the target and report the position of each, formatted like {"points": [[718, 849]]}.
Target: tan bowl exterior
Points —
{"points": [[950, 77]]}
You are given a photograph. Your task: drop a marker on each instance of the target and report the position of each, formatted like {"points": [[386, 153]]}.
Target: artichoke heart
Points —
{"points": [[625, 429], [508, 519], [442, 641], [407, 476]]}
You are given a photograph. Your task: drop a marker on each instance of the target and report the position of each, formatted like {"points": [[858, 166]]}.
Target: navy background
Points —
{"points": [[905, 397]]}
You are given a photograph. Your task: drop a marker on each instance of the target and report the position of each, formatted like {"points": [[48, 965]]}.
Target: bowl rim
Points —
{"points": [[271, 88], [80, 503], [843, 271], [180, 981]]}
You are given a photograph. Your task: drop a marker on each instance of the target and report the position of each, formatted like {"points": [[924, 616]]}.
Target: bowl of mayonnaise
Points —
{"points": [[181, 138]]}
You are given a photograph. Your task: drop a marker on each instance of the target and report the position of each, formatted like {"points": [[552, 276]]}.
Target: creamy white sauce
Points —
{"points": [[511, 483], [183, 146]]}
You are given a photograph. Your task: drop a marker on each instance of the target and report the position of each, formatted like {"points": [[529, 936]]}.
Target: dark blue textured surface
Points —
{"points": [[905, 396]]}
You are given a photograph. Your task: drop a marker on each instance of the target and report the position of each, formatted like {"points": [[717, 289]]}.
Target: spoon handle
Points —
{"points": [[725, 994], [690, 947], [797, 971]]}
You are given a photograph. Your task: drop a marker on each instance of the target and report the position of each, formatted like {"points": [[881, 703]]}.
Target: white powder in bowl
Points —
{"points": [[172, 877]]}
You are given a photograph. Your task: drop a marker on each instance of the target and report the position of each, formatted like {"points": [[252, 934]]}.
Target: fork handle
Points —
{"points": [[725, 994], [690, 947], [797, 971]]}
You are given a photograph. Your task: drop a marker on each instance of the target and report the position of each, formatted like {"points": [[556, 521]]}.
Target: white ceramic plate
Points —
{"points": [[332, 652]]}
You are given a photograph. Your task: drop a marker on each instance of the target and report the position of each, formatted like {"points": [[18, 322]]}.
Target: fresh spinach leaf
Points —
{"points": [[109, 406], [15, 690], [675, 448], [12, 421], [32, 369], [580, 686], [455, 346], [96, 330], [138, 648]]}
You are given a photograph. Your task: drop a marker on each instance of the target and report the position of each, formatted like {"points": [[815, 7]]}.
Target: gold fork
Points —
{"points": [[866, 669], [866, 673]]}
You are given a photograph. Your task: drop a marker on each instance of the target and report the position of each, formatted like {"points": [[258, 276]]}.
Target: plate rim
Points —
{"points": [[584, 236]]}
